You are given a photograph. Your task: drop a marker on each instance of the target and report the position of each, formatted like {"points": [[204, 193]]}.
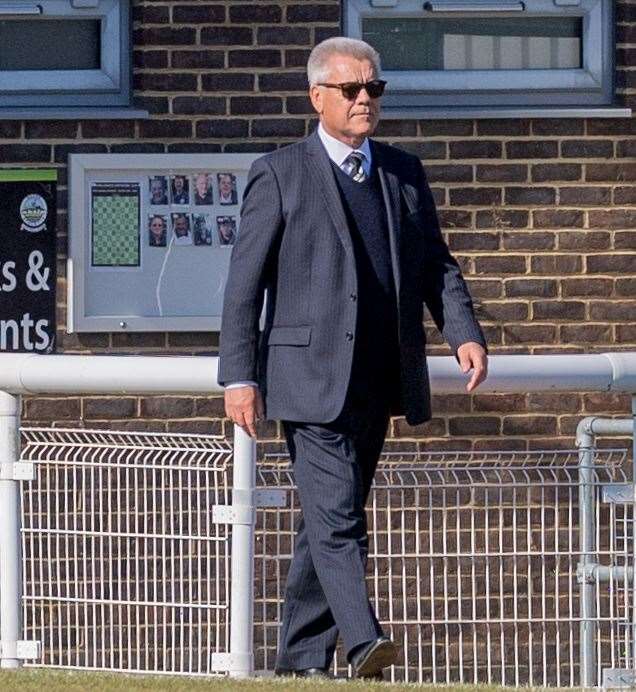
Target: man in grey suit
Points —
{"points": [[341, 233]]}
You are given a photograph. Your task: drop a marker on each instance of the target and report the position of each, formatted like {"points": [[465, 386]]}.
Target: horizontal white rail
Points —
{"points": [[68, 374]]}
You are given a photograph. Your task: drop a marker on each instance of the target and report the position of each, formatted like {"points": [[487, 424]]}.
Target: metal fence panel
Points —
{"points": [[123, 567], [473, 562]]}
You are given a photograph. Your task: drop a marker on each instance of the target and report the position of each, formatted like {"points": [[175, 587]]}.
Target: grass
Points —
{"points": [[37, 679]]}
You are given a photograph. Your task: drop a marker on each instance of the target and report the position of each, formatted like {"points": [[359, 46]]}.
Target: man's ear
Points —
{"points": [[315, 94]]}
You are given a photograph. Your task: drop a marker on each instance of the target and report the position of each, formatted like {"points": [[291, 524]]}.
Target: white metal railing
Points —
{"points": [[40, 374]]}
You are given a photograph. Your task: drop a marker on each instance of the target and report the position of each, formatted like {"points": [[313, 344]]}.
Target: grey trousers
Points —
{"points": [[326, 592]]}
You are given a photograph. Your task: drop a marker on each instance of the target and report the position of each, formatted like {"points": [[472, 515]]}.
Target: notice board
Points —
{"points": [[150, 239], [27, 260]]}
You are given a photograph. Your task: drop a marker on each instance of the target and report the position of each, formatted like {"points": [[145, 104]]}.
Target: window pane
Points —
{"points": [[50, 44], [472, 43]]}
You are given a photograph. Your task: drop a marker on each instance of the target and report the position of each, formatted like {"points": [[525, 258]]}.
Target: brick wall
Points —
{"points": [[539, 212]]}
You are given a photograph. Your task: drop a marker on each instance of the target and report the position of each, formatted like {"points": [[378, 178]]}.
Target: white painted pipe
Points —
{"points": [[79, 374], [10, 548], [242, 580]]}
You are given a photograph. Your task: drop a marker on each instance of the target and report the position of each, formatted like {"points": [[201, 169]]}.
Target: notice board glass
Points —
{"points": [[150, 239]]}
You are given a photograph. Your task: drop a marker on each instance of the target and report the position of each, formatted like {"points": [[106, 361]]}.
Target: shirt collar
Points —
{"points": [[338, 151]]}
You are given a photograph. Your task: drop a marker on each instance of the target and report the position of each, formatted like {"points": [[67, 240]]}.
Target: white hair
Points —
{"points": [[317, 70]]}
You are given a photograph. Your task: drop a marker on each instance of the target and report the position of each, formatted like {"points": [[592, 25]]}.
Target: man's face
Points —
{"points": [[178, 184], [181, 226], [156, 189], [225, 183], [202, 185], [226, 230], [348, 121]]}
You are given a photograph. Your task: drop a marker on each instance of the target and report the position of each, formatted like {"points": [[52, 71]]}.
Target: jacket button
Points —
{"points": [[349, 336], [353, 297]]}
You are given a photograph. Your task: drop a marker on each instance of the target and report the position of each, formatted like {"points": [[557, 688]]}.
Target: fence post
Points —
{"points": [[10, 548], [242, 572], [587, 634]]}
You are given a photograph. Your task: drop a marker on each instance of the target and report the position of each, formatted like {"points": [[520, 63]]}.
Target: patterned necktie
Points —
{"points": [[352, 166]]}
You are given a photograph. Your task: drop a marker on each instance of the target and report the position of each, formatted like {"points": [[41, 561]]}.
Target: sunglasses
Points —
{"points": [[350, 90]]}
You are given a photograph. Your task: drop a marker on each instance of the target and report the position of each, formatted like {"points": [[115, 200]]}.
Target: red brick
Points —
{"points": [[502, 173], [625, 286], [610, 172], [529, 425], [436, 427], [255, 14], [544, 288], [584, 240], [587, 148], [454, 218], [493, 264], [474, 425], [613, 311], [162, 81], [283, 81], [556, 264], [222, 128], [611, 263], [558, 310], [578, 196], [625, 195], [105, 129], [50, 129], [612, 218], [499, 402], [530, 195], [585, 333], [227, 81], [473, 241], [165, 129], [485, 288], [625, 333], [109, 407], [587, 287], [282, 35], [528, 240], [559, 402], [557, 218], [424, 149], [537, 149], [227, 36], [441, 128], [475, 149], [52, 409], [501, 218], [164, 36], [167, 407], [313, 13], [557, 126], [481, 196], [254, 58], [507, 311], [503, 126], [544, 172], [605, 402], [255, 105], [625, 240], [529, 333], [449, 173]]}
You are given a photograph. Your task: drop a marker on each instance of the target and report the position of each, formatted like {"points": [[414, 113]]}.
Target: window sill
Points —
{"points": [[73, 113], [519, 112]]}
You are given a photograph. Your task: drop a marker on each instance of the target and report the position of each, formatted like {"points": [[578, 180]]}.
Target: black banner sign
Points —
{"points": [[27, 260]]}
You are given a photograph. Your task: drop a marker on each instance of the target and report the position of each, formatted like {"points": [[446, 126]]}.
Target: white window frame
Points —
{"points": [[591, 85], [108, 86]]}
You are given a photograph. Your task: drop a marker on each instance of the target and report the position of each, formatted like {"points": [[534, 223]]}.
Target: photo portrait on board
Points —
{"points": [[158, 189], [202, 227], [226, 183], [181, 229], [180, 189], [226, 227], [202, 189], [157, 230]]}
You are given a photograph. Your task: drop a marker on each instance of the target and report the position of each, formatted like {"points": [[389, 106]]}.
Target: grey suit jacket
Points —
{"points": [[294, 243]]}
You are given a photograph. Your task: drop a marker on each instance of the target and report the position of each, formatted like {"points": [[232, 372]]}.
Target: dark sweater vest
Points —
{"points": [[376, 352]]}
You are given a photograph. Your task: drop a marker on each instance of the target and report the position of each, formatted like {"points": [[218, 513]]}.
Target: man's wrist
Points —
{"points": [[241, 383]]}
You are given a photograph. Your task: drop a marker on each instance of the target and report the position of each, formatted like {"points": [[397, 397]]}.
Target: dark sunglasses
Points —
{"points": [[350, 90]]}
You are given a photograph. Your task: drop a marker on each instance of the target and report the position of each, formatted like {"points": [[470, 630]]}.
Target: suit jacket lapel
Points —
{"points": [[391, 193], [320, 172]]}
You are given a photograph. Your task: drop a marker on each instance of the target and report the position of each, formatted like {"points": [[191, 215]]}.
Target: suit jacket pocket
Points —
{"points": [[289, 336]]}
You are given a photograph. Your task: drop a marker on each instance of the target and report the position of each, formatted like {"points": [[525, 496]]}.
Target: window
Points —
{"points": [[488, 54], [65, 53]]}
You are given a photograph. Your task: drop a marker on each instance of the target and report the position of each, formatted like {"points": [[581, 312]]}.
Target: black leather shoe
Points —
{"points": [[369, 660], [303, 673]]}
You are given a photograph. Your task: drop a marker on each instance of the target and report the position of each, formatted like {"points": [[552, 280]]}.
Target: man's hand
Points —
{"points": [[473, 355], [244, 406]]}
